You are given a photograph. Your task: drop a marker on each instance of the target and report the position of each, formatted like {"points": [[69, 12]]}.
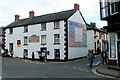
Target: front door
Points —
{"points": [[43, 49], [118, 48], [57, 54]]}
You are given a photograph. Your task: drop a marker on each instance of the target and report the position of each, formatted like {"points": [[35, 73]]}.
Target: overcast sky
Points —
{"points": [[9, 8]]}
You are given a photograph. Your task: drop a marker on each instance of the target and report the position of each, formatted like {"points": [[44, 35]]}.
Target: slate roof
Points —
{"points": [[63, 15], [90, 27]]}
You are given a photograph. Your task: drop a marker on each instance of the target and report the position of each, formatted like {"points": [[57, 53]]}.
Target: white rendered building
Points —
{"points": [[63, 35], [96, 38]]}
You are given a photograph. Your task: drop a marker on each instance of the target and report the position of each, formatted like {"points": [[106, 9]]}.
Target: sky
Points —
{"points": [[9, 8]]}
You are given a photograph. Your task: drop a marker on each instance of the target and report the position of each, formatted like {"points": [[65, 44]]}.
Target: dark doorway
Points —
{"points": [[118, 48], [43, 49], [57, 54]]}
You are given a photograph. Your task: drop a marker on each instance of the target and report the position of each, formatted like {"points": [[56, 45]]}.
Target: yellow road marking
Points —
{"points": [[94, 71]]}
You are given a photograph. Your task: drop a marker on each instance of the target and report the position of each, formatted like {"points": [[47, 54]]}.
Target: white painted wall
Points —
{"points": [[18, 34], [90, 39], [76, 52]]}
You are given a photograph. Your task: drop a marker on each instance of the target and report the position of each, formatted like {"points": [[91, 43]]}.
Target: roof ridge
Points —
{"points": [[62, 15]]}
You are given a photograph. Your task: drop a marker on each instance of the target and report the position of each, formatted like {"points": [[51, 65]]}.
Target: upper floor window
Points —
{"points": [[25, 40], [104, 8], [25, 28], [43, 39], [56, 38], [113, 7], [56, 25], [118, 35], [11, 31], [43, 26]]}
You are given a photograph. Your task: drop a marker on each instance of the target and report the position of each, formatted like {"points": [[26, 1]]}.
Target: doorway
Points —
{"points": [[57, 54], [118, 49]]}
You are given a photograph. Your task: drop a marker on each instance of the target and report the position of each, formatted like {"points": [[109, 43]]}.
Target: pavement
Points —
{"points": [[104, 70]]}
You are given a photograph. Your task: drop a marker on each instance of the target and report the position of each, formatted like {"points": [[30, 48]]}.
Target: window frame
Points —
{"points": [[56, 24], [43, 39], [25, 40], [43, 26], [11, 45], [25, 29], [57, 38], [11, 31]]}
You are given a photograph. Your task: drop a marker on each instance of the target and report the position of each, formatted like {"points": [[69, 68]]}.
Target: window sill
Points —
{"points": [[56, 28], [56, 44], [25, 45], [25, 32], [10, 33], [43, 30], [43, 44]]}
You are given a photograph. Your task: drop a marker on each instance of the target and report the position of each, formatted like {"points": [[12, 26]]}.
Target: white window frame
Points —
{"points": [[43, 39], [56, 38], [56, 25], [25, 28], [25, 40], [43, 26], [11, 31]]}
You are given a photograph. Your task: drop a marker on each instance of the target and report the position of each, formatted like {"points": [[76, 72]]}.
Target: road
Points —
{"points": [[12, 68]]}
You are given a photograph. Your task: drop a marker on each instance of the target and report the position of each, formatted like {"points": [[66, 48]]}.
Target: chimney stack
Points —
{"points": [[17, 17], [76, 6], [31, 14], [93, 24]]}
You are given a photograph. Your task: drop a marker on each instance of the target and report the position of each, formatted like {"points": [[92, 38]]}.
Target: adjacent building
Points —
{"points": [[110, 12], [63, 35], [96, 38], [1, 38]]}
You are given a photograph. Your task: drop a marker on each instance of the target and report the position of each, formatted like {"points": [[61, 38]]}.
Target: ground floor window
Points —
{"points": [[11, 46], [112, 37], [57, 53], [25, 53]]}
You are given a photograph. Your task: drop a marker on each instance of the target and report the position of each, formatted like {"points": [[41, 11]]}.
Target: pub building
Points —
{"points": [[63, 34], [110, 12]]}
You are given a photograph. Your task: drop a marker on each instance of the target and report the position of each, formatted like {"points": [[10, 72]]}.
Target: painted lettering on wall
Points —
{"points": [[77, 34], [34, 38]]}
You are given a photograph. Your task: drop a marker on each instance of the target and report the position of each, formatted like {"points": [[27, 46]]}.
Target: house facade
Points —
{"points": [[96, 38], [110, 12], [62, 35]]}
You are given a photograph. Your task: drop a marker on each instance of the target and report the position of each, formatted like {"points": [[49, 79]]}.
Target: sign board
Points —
{"points": [[34, 38], [18, 43]]}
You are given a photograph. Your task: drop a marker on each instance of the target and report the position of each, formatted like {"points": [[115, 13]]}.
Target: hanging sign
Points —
{"points": [[18, 43]]}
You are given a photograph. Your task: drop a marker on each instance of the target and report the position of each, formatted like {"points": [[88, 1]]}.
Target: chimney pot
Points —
{"points": [[17, 17], [31, 14], [93, 24], [76, 6]]}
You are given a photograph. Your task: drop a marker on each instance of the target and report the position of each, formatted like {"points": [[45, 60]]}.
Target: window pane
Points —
{"points": [[43, 39], [11, 46], [56, 38], [25, 28], [112, 45], [103, 13], [25, 40], [43, 26], [113, 8], [11, 31], [56, 25]]}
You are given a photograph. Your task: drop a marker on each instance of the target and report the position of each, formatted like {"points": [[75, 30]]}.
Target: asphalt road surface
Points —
{"points": [[23, 69]]}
